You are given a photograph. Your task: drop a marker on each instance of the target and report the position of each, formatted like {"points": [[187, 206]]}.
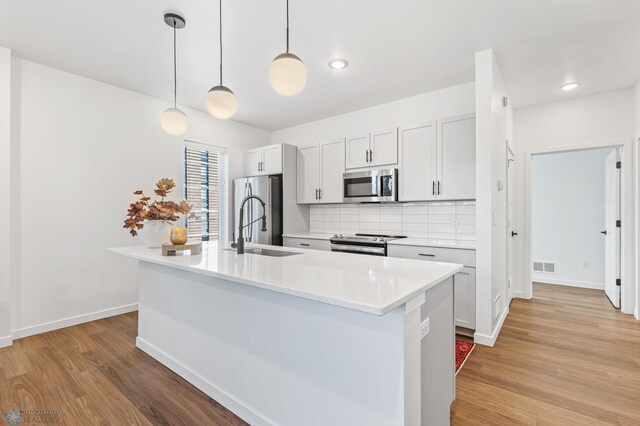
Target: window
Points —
{"points": [[204, 189]]}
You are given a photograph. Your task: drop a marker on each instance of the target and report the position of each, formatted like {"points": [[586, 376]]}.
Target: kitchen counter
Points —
{"points": [[371, 284], [308, 235], [313, 338], [426, 242]]}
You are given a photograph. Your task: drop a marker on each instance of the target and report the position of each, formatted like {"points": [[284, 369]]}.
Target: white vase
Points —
{"points": [[155, 233]]}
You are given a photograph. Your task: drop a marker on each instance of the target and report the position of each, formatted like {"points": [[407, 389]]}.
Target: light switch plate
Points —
{"points": [[425, 327]]}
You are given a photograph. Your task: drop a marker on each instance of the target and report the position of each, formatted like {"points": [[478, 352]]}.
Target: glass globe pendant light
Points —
{"points": [[173, 120], [287, 73], [221, 101]]}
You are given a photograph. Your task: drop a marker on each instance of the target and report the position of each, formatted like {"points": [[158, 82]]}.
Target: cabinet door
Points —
{"points": [[307, 243], [384, 148], [457, 158], [331, 170], [308, 174], [357, 151], [417, 171], [272, 159], [464, 283], [252, 159]]}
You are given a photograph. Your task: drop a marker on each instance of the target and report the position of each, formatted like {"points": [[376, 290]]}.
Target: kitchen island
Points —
{"points": [[310, 338]]}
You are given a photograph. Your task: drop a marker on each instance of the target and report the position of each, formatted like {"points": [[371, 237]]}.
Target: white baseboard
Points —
{"points": [[68, 322], [522, 295], [568, 283], [6, 341], [490, 340], [636, 313], [229, 402]]}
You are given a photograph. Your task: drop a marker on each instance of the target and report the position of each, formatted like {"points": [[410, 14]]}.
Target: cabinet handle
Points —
{"points": [[438, 187], [426, 255], [367, 155], [433, 187], [316, 193], [320, 194], [304, 244], [370, 155]]}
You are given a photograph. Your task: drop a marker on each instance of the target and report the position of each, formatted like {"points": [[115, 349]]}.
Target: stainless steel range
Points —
{"points": [[373, 244]]}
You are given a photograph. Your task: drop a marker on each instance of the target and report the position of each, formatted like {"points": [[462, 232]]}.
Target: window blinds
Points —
{"points": [[201, 170]]}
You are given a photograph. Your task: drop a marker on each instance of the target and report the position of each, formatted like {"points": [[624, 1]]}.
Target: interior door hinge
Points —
{"points": [[619, 165], [618, 223], [618, 282]]}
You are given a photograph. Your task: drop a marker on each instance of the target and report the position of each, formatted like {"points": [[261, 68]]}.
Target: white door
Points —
{"points": [[417, 171], [357, 151], [457, 159], [331, 170], [252, 162], [308, 174], [384, 148], [271, 160], [511, 232], [465, 298], [612, 236]]}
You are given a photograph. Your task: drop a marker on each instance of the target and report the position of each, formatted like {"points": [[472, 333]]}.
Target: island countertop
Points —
{"points": [[372, 284]]}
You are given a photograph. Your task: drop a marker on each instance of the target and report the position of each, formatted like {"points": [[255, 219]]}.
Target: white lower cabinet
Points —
{"points": [[307, 243], [464, 281]]}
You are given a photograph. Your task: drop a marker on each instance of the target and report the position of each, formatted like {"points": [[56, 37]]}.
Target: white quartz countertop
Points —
{"points": [[308, 235], [371, 284], [425, 242]]}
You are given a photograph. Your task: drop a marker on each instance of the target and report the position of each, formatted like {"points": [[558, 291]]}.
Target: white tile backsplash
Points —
{"points": [[452, 220]]}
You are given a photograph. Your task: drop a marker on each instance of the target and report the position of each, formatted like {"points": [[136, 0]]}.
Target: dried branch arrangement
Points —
{"points": [[143, 210]]}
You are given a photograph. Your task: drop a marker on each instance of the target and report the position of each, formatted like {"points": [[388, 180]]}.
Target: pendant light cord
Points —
{"points": [[175, 67], [220, 42], [287, 26]]}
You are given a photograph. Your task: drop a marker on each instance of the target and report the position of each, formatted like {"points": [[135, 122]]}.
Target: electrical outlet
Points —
{"points": [[425, 327]]}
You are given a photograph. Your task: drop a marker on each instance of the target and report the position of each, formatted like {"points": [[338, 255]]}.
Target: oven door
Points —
{"points": [[359, 249], [373, 186]]}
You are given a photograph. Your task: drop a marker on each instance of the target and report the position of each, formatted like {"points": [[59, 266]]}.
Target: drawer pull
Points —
{"points": [[304, 244], [425, 254]]}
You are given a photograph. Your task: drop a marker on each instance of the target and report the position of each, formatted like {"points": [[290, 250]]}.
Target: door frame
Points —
{"points": [[627, 246], [511, 254]]}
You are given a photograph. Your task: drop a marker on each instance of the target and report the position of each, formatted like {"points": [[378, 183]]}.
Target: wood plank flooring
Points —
{"points": [[565, 357]]}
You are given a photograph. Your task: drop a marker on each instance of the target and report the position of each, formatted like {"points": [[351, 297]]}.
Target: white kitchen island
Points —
{"points": [[317, 338]]}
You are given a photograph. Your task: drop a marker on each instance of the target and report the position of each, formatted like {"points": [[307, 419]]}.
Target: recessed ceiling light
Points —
{"points": [[338, 64], [569, 86]]}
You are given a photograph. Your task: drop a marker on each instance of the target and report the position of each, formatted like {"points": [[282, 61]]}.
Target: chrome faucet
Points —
{"points": [[239, 245]]}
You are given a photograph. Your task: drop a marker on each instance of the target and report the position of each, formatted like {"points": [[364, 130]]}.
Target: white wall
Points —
{"points": [[589, 120], [5, 195], [568, 213], [452, 101], [493, 132], [84, 146]]}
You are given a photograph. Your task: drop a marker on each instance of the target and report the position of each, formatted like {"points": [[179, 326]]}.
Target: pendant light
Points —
{"points": [[221, 102], [287, 73], [173, 120]]}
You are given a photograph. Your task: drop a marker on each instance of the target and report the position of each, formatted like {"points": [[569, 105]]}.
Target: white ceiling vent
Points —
{"points": [[548, 267]]}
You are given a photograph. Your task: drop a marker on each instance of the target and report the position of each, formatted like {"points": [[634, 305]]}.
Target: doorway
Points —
{"points": [[597, 261]]}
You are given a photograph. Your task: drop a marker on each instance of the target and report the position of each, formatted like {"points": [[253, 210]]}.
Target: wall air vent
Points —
{"points": [[548, 267]]}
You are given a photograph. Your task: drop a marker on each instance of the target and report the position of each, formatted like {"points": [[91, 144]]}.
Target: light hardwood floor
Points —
{"points": [[564, 358]]}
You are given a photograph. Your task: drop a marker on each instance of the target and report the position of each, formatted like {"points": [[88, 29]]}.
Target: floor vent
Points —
{"points": [[548, 267]]}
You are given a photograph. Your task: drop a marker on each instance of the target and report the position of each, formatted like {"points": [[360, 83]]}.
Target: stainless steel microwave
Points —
{"points": [[373, 186]]}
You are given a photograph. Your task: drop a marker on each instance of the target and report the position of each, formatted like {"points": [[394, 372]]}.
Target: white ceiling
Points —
{"points": [[395, 48]]}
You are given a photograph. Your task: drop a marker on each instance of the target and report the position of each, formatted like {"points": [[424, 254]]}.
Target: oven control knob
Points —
{"points": [[340, 236], [335, 235]]}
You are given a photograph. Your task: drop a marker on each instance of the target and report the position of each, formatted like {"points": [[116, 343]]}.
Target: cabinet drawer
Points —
{"points": [[307, 243], [436, 254]]}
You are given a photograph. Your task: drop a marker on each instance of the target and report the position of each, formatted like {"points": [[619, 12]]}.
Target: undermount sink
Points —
{"points": [[267, 252]]}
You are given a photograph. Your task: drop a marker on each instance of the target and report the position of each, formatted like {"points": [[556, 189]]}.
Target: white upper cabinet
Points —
{"points": [[357, 151], [266, 160], [384, 148], [438, 160], [418, 172], [373, 149], [332, 169], [457, 155], [320, 169], [308, 174]]}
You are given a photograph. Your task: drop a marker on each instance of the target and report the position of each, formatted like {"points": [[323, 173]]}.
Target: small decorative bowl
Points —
{"points": [[179, 236]]}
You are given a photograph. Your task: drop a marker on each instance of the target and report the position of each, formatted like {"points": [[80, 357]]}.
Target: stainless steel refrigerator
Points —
{"points": [[269, 189]]}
